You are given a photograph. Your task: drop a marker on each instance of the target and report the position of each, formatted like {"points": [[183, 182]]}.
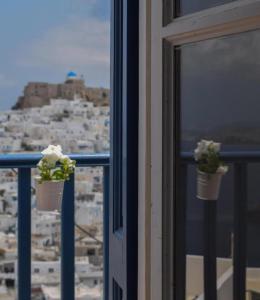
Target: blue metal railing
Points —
{"points": [[239, 160], [24, 163]]}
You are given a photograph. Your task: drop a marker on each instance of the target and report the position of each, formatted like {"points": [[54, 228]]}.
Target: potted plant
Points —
{"points": [[54, 168], [210, 169]]}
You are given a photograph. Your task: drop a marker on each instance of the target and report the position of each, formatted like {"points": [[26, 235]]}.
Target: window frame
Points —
{"points": [[168, 32], [123, 202], [224, 13]]}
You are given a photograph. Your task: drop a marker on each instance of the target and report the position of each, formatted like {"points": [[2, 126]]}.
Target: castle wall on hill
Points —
{"points": [[38, 94]]}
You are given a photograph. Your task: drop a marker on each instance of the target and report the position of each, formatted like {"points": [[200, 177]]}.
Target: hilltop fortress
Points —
{"points": [[38, 94]]}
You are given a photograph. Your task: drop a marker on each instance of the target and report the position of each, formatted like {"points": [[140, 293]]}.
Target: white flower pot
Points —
{"points": [[208, 185], [49, 195]]}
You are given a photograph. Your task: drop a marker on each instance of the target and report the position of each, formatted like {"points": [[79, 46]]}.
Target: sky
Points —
{"points": [[42, 40]]}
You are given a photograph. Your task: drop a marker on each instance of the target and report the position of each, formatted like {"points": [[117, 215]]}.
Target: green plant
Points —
{"points": [[54, 165], [207, 156]]}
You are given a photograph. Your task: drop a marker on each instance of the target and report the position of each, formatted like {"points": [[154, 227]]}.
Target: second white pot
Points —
{"points": [[49, 195], [208, 185]]}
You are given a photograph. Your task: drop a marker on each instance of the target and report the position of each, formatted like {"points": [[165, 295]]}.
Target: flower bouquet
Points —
{"points": [[210, 169], [54, 168]]}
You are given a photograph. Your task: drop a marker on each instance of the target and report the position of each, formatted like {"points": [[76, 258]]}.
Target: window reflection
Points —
{"points": [[220, 91], [220, 100], [187, 6]]}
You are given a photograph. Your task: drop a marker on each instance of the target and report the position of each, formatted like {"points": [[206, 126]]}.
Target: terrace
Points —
{"points": [[223, 278], [215, 282], [24, 163], [181, 70]]}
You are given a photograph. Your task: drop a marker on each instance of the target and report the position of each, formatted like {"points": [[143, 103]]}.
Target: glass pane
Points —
{"points": [[220, 91], [187, 6], [219, 83]]}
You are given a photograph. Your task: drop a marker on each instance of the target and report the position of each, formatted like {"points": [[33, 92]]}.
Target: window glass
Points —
{"points": [[187, 6], [220, 100], [220, 92]]}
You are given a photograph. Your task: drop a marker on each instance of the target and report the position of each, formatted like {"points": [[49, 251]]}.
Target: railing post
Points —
{"points": [[67, 242], [106, 230], [240, 227], [180, 225], [210, 268], [24, 234]]}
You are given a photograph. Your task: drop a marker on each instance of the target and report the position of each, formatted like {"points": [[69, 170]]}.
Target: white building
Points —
{"points": [[81, 293]]}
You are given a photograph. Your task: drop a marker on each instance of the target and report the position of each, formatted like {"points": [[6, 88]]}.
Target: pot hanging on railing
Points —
{"points": [[49, 195], [54, 168], [210, 170], [208, 185]]}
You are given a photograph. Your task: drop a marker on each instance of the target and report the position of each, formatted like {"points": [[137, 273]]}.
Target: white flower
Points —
{"points": [[52, 154], [222, 169], [66, 159], [214, 146], [40, 163], [197, 154], [203, 146]]}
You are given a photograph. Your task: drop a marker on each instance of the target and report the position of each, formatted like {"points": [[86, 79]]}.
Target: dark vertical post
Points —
{"points": [[24, 234], [210, 268], [240, 227], [180, 225], [106, 229], [67, 242], [123, 239]]}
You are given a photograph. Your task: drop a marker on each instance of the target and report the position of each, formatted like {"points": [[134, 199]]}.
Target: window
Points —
{"points": [[211, 91], [51, 270], [187, 6], [91, 252], [177, 8], [225, 91], [36, 270]]}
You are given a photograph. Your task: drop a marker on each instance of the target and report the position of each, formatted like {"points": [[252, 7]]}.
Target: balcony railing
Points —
{"points": [[24, 163], [239, 161]]}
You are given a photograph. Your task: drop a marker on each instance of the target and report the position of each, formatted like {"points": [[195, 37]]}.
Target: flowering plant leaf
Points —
{"points": [[207, 156], [54, 165]]}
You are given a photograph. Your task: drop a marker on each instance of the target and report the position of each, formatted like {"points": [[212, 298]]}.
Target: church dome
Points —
{"points": [[72, 75]]}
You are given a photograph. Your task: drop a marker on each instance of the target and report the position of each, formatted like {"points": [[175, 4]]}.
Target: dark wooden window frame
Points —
{"points": [[123, 202]]}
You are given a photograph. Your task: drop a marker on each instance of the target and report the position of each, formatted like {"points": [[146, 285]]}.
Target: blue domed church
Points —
{"points": [[73, 76], [37, 94]]}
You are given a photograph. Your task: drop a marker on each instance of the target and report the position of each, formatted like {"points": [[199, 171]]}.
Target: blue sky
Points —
{"points": [[41, 40]]}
